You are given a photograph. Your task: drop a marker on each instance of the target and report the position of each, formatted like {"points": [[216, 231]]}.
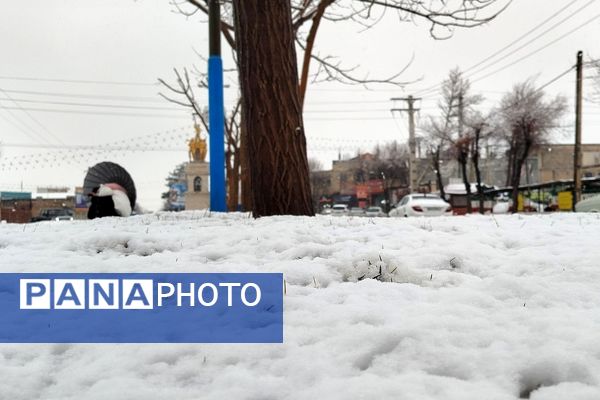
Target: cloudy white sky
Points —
{"points": [[84, 73]]}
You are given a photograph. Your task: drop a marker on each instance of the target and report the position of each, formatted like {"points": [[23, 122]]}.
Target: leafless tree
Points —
{"points": [[593, 68], [314, 165], [284, 131], [448, 128], [183, 90], [479, 131], [391, 161], [391, 164], [526, 120], [182, 93], [444, 16], [319, 180], [437, 129]]}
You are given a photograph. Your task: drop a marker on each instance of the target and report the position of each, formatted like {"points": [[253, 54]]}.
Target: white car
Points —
{"points": [[326, 211], [421, 205], [339, 209], [591, 204], [356, 212], [374, 212]]}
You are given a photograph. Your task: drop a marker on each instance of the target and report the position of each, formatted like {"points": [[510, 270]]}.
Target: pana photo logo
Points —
{"points": [[132, 294], [141, 308]]}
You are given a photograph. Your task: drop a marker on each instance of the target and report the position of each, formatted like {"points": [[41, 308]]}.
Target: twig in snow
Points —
{"points": [[496, 222]]}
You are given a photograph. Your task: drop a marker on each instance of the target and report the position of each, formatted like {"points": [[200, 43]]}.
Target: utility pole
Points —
{"points": [[461, 113], [577, 157], [216, 110], [412, 143], [461, 123]]}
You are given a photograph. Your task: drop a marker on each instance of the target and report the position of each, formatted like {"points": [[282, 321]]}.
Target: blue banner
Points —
{"points": [[141, 308]]}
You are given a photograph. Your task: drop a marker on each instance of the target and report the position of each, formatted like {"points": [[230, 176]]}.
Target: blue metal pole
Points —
{"points": [[217, 134], [216, 115]]}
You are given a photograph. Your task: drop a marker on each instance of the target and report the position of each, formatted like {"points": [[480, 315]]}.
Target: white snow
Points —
{"points": [[477, 307]]}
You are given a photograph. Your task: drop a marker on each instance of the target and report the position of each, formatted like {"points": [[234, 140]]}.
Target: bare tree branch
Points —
{"points": [[184, 88], [334, 71]]}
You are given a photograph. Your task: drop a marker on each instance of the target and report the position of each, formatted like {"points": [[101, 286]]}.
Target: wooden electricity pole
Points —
{"points": [[412, 142], [577, 156]]}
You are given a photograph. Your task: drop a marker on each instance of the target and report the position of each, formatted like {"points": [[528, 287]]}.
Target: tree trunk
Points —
{"points": [[245, 168], [519, 160], [233, 177], [479, 187], [268, 75], [510, 164], [463, 168], [475, 160], [514, 182], [438, 172], [462, 149]]}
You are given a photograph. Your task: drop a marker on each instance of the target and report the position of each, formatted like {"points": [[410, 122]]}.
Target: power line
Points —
{"points": [[91, 96], [81, 153], [95, 112], [158, 100], [538, 36], [523, 36], [18, 127], [550, 82], [437, 86], [117, 106], [123, 106], [31, 117], [82, 81], [27, 130], [538, 49]]}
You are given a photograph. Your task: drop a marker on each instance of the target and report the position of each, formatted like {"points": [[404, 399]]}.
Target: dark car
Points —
{"points": [[54, 214]]}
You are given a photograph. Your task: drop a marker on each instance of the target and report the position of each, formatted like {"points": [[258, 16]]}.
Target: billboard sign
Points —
{"points": [[177, 196]]}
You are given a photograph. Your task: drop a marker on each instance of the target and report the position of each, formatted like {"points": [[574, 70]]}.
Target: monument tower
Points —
{"points": [[197, 196]]}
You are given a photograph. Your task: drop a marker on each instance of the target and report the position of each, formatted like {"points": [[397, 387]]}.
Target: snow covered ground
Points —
{"points": [[470, 308]]}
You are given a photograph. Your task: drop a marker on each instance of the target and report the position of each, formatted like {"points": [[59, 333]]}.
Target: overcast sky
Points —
{"points": [[91, 69]]}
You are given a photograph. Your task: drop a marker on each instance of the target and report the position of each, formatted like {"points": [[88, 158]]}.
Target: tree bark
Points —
{"points": [[514, 182], [268, 72], [475, 155], [462, 148], [232, 157], [245, 168], [463, 168], [438, 173], [522, 148]]}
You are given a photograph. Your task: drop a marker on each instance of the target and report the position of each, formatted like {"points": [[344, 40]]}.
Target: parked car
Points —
{"points": [[375, 212], [421, 205], [591, 204], [326, 210], [54, 214], [339, 209], [357, 212]]}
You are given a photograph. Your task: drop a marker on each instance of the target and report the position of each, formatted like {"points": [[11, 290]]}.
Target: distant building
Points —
{"points": [[20, 207], [359, 181], [555, 161], [15, 207]]}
